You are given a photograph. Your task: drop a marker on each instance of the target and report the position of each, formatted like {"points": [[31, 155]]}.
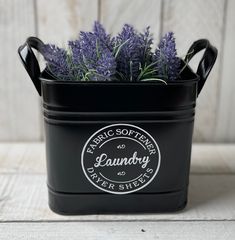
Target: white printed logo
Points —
{"points": [[120, 159]]}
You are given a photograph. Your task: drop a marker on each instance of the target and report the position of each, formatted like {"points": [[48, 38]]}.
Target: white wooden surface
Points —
{"points": [[225, 128], [192, 20], [122, 230], [19, 103], [24, 213], [56, 22], [131, 11]]}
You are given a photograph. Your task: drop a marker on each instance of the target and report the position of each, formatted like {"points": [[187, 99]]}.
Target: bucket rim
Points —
{"points": [[71, 82]]}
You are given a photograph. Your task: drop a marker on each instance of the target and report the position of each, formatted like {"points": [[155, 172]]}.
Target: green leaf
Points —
{"points": [[119, 48], [154, 79]]}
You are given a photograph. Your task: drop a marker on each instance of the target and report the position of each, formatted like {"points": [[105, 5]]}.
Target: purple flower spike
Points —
{"points": [[76, 51], [56, 60], [89, 44], [96, 60], [146, 41], [105, 39], [106, 65], [76, 63], [168, 63], [128, 57], [134, 52]]}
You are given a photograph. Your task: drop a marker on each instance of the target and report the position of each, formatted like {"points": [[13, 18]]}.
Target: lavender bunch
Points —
{"points": [[96, 56], [105, 39], [167, 62], [76, 60], [89, 58], [134, 52], [56, 60]]}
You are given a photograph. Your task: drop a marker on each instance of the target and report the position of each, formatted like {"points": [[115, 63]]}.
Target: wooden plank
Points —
{"points": [[19, 101], [225, 130], [213, 158], [191, 20], [122, 230], [114, 14], [22, 158], [24, 198], [30, 158], [58, 23]]}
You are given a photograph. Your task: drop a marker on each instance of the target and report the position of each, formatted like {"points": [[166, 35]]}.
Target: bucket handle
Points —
{"points": [[206, 63], [30, 61]]}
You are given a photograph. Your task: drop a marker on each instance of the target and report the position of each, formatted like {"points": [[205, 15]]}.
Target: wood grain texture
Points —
{"points": [[120, 231], [115, 13], [22, 158], [213, 159], [59, 22], [225, 128], [19, 101], [192, 20], [24, 198]]}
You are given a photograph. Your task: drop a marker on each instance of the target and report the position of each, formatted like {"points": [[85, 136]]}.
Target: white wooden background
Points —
{"points": [[56, 21]]}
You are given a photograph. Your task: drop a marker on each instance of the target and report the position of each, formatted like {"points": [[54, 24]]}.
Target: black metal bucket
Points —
{"points": [[118, 147]]}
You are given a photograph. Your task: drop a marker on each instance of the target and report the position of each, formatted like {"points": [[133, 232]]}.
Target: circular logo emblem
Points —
{"points": [[120, 158]]}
